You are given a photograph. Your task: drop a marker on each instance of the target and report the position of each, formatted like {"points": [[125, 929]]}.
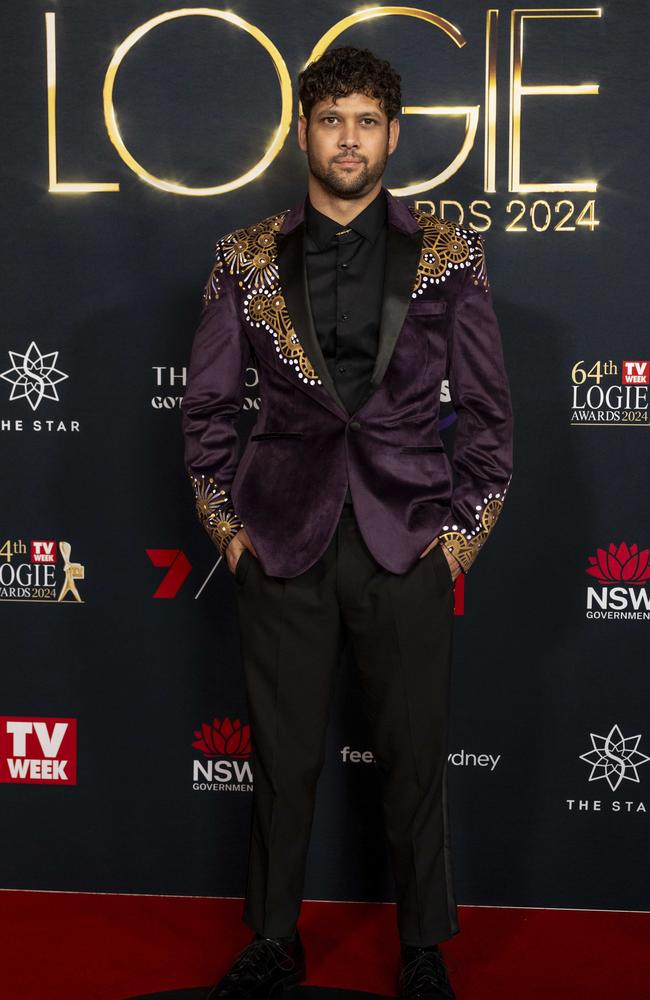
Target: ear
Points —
{"points": [[302, 132], [393, 135]]}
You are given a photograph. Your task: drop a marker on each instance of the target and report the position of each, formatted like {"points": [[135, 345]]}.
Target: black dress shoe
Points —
{"points": [[264, 967], [423, 975]]}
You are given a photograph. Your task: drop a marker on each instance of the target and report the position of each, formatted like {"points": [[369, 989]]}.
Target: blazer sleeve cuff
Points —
{"points": [[464, 539], [216, 511]]}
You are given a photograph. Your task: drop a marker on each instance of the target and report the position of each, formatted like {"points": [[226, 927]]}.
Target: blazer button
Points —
{"points": [[355, 425]]}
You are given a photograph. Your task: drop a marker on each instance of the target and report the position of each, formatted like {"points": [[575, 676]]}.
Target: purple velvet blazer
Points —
{"points": [[288, 487]]}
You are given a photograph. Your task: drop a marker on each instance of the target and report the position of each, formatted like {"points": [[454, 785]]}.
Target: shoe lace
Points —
{"points": [[260, 957], [426, 969]]}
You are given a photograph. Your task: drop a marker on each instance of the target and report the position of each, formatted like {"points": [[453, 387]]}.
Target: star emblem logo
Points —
{"points": [[33, 376], [614, 757]]}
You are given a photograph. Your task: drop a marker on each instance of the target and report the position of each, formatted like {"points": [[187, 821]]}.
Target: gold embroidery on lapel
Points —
{"points": [[447, 247], [268, 309], [251, 254]]}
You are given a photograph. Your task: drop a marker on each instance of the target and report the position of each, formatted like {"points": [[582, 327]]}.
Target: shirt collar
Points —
{"points": [[368, 223]]}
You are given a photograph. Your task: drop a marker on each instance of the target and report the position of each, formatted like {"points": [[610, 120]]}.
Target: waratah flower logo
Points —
{"points": [[621, 564], [224, 739]]}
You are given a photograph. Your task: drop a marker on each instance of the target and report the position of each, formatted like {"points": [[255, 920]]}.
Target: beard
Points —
{"points": [[347, 183]]}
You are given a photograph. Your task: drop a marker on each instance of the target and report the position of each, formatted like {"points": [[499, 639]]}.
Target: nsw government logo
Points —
{"points": [[224, 767], [613, 759], [622, 573]]}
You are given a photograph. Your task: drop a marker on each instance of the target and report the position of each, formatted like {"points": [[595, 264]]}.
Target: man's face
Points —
{"points": [[347, 142]]}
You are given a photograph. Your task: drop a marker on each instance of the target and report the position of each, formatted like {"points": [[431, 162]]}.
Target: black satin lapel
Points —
{"points": [[292, 274], [402, 259]]}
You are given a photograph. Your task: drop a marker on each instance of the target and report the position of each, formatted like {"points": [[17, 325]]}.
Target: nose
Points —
{"points": [[349, 143]]}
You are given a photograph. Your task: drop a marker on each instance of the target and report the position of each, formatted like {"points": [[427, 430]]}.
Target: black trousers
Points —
{"points": [[292, 631]]}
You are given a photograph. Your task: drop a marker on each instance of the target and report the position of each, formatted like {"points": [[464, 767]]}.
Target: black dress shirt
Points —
{"points": [[345, 277]]}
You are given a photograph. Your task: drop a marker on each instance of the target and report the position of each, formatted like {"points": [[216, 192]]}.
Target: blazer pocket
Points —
{"points": [[427, 307], [240, 565], [263, 436], [444, 567], [420, 448]]}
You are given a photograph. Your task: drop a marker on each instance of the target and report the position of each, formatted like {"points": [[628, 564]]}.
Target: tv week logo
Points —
{"points": [[43, 552], [38, 751], [636, 372]]}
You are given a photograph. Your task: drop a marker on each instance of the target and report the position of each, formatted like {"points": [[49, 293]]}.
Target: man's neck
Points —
{"points": [[342, 210]]}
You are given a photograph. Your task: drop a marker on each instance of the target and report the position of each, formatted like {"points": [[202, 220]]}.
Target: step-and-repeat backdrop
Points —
{"points": [[135, 135]]}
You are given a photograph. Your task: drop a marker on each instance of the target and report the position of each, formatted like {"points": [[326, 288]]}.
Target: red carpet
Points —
{"points": [[91, 946]]}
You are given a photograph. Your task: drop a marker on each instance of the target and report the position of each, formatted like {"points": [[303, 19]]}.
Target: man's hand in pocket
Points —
{"points": [[454, 566], [234, 550]]}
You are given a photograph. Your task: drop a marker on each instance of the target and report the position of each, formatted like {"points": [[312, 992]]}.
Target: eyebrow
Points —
{"points": [[361, 114]]}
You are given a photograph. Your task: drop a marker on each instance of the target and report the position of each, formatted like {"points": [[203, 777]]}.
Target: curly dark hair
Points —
{"points": [[347, 70]]}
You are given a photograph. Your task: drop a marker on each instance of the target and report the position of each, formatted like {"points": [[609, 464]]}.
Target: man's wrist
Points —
{"points": [[451, 558], [225, 538]]}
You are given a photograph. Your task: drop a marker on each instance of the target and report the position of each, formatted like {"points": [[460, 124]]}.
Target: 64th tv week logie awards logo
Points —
{"points": [[610, 394], [39, 571]]}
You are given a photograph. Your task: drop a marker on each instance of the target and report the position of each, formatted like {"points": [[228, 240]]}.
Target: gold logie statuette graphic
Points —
{"points": [[72, 571], [468, 114]]}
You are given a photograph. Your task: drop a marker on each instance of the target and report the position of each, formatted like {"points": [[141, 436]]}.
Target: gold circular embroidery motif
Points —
{"points": [[465, 545], [446, 247]]}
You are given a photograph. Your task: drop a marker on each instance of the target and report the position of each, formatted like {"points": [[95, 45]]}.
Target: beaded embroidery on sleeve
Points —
{"points": [[216, 511], [465, 544]]}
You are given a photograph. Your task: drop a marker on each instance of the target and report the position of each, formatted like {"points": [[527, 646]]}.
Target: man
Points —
{"points": [[341, 517]]}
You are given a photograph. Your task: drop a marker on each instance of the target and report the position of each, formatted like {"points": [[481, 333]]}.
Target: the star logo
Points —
{"points": [[614, 757], [33, 376]]}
